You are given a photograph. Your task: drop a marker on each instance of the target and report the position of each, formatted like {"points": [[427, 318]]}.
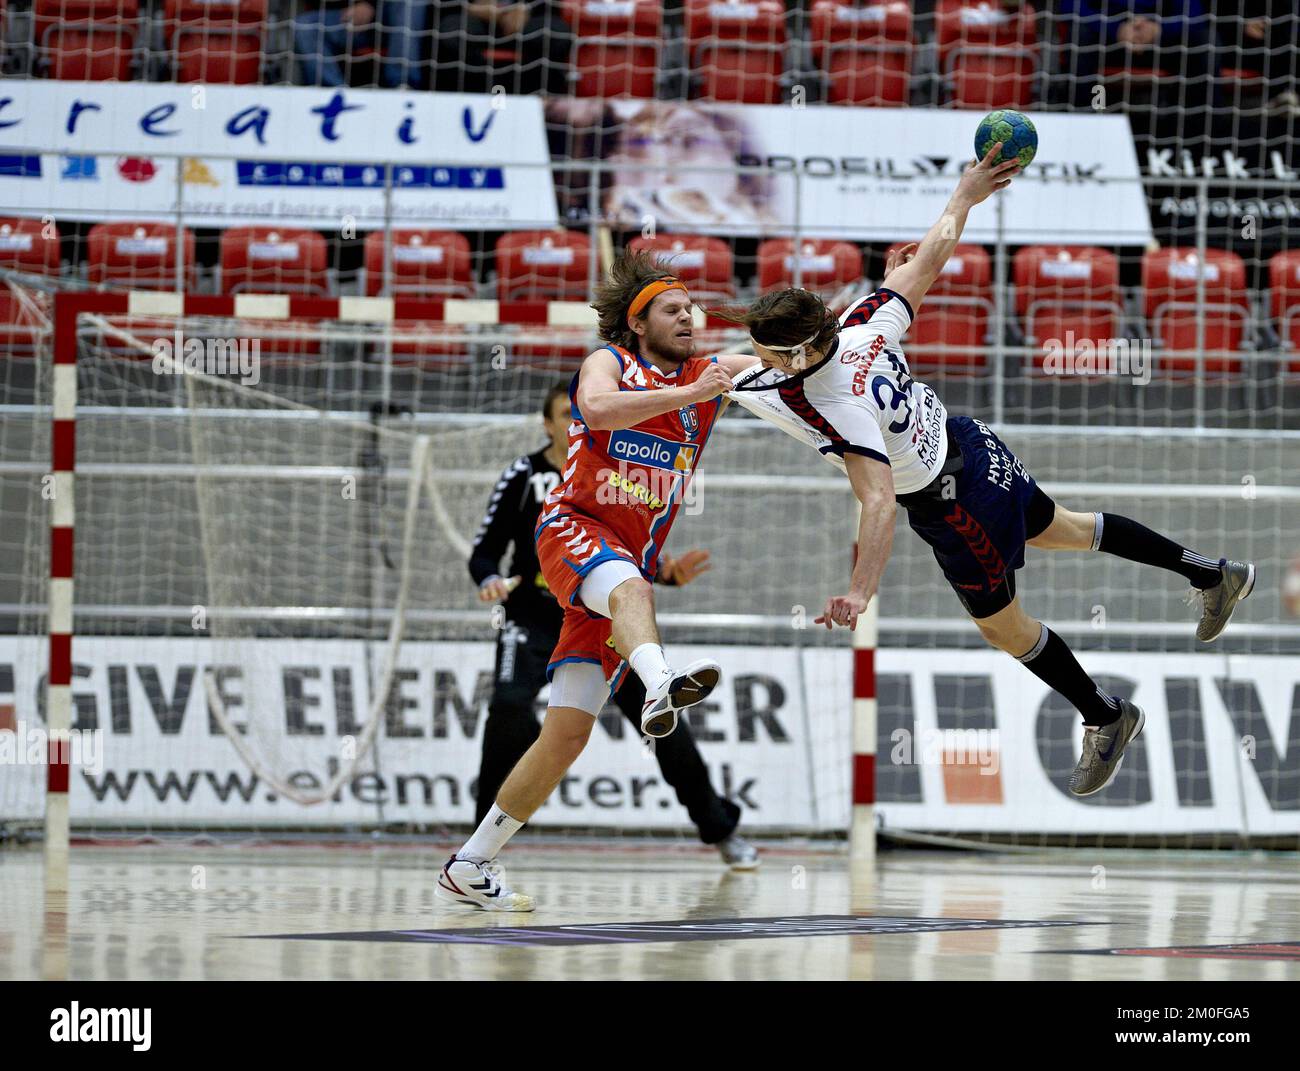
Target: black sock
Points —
{"points": [[1126, 538], [1053, 663]]}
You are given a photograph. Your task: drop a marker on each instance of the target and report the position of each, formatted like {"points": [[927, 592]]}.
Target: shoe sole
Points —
{"points": [[1245, 591], [685, 691], [743, 867], [1142, 721]]}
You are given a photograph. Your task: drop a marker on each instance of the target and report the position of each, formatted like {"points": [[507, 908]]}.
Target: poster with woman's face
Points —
{"points": [[674, 163]]}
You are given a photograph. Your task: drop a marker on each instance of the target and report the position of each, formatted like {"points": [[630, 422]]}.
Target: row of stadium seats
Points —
{"points": [[1058, 290], [104, 40], [986, 54], [737, 49]]}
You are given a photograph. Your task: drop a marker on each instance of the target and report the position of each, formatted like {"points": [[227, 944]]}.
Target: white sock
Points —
{"points": [[649, 663], [490, 837]]}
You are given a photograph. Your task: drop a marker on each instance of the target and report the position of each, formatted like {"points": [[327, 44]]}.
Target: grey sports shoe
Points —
{"points": [[1103, 750], [738, 853], [1217, 603]]}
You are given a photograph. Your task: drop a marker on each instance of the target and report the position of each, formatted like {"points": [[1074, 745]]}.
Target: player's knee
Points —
{"points": [[566, 732], [992, 631], [631, 593], [1014, 633], [1069, 530]]}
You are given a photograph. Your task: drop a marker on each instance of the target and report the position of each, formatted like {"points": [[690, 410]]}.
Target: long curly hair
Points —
{"points": [[785, 318], [628, 276]]}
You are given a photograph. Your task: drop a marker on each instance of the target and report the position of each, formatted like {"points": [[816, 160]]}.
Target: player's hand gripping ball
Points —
{"points": [[1015, 131]]}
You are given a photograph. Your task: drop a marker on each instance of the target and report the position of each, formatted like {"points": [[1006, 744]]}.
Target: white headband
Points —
{"points": [[786, 349]]}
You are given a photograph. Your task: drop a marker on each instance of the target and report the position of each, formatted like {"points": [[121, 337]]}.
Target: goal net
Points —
{"points": [[275, 627]]}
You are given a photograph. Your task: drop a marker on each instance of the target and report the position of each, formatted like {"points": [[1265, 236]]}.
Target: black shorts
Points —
{"points": [[978, 518]]}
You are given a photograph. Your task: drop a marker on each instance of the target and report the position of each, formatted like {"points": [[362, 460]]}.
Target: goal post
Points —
{"points": [[144, 346]]}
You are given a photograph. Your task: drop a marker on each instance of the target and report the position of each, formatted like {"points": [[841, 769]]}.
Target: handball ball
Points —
{"points": [[1015, 131]]}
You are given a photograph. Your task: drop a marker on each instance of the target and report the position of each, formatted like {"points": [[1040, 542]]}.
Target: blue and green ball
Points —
{"points": [[1015, 131]]}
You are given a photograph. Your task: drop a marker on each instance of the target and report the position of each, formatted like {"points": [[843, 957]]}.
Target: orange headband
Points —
{"points": [[648, 293]]}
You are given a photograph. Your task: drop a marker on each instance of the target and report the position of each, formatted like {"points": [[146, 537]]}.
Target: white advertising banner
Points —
{"points": [[969, 740], [164, 762], [869, 174], [974, 742], [240, 155]]}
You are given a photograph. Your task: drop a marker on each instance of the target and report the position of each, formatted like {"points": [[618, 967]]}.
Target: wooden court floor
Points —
{"points": [[625, 909]]}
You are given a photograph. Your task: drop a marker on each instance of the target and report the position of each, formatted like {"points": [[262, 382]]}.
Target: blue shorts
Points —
{"points": [[978, 529]]}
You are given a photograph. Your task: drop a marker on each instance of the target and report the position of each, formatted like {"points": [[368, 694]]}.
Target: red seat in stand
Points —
{"points": [[139, 256], [546, 266], [616, 47], [825, 265], [277, 260], [25, 247], [865, 50], [1064, 291], [86, 40], [1284, 286], [987, 53], [737, 48], [423, 264], [1170, 282], [217, 41]]}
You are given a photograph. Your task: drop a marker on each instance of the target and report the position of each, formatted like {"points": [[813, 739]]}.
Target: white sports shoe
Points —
{"points": [[692, 685], [479, 885]]}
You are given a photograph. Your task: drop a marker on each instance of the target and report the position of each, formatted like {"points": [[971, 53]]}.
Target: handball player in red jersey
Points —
{"points": [[643, 407]]}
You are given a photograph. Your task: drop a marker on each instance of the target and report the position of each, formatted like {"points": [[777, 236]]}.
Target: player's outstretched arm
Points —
{"points": [[913, 277], [606, 408], [873, 484]]}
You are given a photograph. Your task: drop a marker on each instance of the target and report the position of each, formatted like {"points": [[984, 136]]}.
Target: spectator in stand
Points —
{"points": [[523, 47], [1263, 36], [329, 30], [1168, 35]]}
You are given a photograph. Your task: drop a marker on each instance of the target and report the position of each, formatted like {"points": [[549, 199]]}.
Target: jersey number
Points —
{"points": [[897, 398], [543, 484]]}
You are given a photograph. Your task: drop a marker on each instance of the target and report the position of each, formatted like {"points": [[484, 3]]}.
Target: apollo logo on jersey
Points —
{"points": [[652, 451]]}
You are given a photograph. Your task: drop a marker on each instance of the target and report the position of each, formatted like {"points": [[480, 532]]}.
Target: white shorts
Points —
{"points": [[580, 685], [598, 584]]}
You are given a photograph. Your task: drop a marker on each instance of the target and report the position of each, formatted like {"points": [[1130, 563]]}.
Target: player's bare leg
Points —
{"points": [[564, 734], [635, 632], [1110, 723], [470, 877], [1217, 585], [615, 590]]}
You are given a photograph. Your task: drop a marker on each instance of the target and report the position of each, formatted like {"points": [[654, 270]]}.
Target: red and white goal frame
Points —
{"points": [[70, 306]]}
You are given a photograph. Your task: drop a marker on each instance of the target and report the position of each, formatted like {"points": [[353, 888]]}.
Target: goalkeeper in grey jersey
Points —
{"points": [[846, 387]]}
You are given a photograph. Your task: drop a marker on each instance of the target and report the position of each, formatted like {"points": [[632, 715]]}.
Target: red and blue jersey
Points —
{"points": [[632, 481]]}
